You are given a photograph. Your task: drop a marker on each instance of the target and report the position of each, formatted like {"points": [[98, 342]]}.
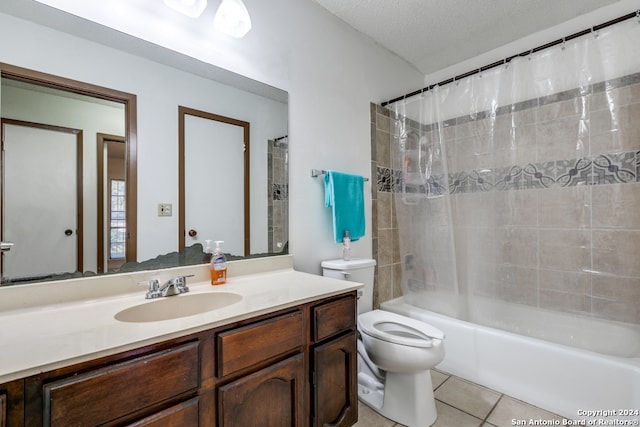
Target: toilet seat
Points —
{"points": [[398, 329]]}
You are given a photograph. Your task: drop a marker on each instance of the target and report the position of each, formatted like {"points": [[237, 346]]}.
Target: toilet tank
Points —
{"points": [[355, 270]]}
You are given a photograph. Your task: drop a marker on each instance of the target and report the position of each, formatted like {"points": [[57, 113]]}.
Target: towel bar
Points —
{"points": [[317, 172]]}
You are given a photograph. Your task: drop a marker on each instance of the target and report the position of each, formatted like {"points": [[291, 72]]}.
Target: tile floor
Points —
{"points": [[461, 403]]}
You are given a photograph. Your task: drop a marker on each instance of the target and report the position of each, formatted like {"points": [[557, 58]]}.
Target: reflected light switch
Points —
{"points": [[164, 209]]}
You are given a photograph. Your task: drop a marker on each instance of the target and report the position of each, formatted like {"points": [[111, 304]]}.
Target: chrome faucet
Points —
{"points": [[175, 286]]}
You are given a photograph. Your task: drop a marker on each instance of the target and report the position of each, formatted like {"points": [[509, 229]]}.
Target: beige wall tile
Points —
{"points": [[566, 138], [516, 208], [517, 246], [564, 249], [616, 298], [617, 252], [616, 206], [517, 284], [566, 207]]}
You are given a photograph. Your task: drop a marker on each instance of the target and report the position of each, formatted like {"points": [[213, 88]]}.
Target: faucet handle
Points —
{"points": [[154, 288], [181, 283]]}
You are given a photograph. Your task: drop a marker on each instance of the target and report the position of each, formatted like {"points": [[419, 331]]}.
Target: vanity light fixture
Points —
{"points": [[191, 8], [232, 18]]}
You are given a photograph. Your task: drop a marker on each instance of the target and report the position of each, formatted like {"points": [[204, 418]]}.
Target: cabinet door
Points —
{"points": [[181, 415], [335, 393], [273, 396], [12, 404]]}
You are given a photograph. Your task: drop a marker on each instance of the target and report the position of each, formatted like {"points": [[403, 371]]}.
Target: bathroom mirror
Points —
{"points": [[105, 188]]}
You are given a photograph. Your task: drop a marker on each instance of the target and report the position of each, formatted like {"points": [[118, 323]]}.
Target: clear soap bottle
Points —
{"points": [[346, 246], [218, 266]]}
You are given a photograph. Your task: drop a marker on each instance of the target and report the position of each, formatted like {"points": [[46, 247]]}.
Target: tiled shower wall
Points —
{"points": [[549, 189], [278, 197], [386, 250]]}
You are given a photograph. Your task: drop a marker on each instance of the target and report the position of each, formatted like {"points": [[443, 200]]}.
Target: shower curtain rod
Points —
{"points": [[593, 29]]}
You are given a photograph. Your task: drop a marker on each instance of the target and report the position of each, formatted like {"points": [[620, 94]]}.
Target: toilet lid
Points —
{"points": [[398, 329]]}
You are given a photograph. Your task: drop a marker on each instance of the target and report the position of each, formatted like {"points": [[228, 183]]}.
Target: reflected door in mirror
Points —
{"points": [[215, 179], [42, 200]]}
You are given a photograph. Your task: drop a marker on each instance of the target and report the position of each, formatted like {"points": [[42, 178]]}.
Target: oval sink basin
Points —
{"points": [[173, 307]]}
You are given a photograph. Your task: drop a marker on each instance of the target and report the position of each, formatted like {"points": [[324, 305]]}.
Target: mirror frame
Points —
{"points": [[130, 106], [182, 112]]}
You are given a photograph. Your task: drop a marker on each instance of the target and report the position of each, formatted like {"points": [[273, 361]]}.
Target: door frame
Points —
{"points": [[131, 133], [79, 183], [102, 140], [182, 112]]}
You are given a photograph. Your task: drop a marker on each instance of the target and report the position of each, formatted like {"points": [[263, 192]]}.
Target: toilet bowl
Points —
{"points": [[405, 349], [400, 344], [395, 353]]}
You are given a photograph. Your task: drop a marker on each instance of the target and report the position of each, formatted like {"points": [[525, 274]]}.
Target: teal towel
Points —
{"points": [[345, 194]]}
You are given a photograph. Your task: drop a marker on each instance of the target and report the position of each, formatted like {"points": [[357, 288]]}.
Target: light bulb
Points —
{"points": [[232, 18], [191, 8]]}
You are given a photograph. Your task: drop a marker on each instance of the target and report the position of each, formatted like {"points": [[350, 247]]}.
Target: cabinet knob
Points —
{"points": [[68, 232], [193, 233]]}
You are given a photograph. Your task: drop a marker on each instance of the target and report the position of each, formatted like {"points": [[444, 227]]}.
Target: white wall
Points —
{"points": [[331, 72]]}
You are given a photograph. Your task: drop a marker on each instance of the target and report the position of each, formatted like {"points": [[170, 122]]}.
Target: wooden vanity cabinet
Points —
{"points": [[12, 404], [295, 367], [334, 359]]}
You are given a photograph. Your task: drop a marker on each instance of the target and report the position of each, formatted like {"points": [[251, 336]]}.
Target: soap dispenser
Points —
{"points": [[218, 266], [208, 251], [346, 246]]}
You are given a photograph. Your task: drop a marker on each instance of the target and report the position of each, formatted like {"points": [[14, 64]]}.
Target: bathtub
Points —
{"points": [[558, 378]]}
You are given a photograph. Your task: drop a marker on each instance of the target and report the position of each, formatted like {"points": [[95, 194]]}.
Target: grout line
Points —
{"points": [[493, 408]]}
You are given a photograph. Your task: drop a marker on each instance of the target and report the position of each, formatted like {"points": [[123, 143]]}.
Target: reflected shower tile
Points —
{"points": [[617, 252], [616, 206], [614, 168], [564, 249], [384, 179], [385, 202], [383, 148]]}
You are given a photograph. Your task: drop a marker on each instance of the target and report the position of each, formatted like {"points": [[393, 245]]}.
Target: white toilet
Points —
{"points": [[395, 353]]}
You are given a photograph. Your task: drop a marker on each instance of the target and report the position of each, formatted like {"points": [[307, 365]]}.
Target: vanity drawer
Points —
{"points": [[249, 345], [106, 394], [333, 317]]}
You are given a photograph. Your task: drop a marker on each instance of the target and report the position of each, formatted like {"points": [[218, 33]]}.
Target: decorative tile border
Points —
{"points": [[614, 168], [280, 191]]}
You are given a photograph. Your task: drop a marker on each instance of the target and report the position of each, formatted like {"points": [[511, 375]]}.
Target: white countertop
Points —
{"points": [[40, 338]]}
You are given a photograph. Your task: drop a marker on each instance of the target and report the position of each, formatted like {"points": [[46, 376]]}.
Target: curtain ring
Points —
{"points": [[638, 15], [505, 63], [479, 73], [530, 53], [564, 43], [595, 33]]}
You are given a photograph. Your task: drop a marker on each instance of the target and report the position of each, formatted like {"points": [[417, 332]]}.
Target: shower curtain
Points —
{"points": [[520, 184]]}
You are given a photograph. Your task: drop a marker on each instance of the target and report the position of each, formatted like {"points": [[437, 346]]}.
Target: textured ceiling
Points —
{"points": [[434, 34]]}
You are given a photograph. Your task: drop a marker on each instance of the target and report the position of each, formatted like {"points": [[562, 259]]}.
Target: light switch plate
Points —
{"points": [[165, 209]]}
